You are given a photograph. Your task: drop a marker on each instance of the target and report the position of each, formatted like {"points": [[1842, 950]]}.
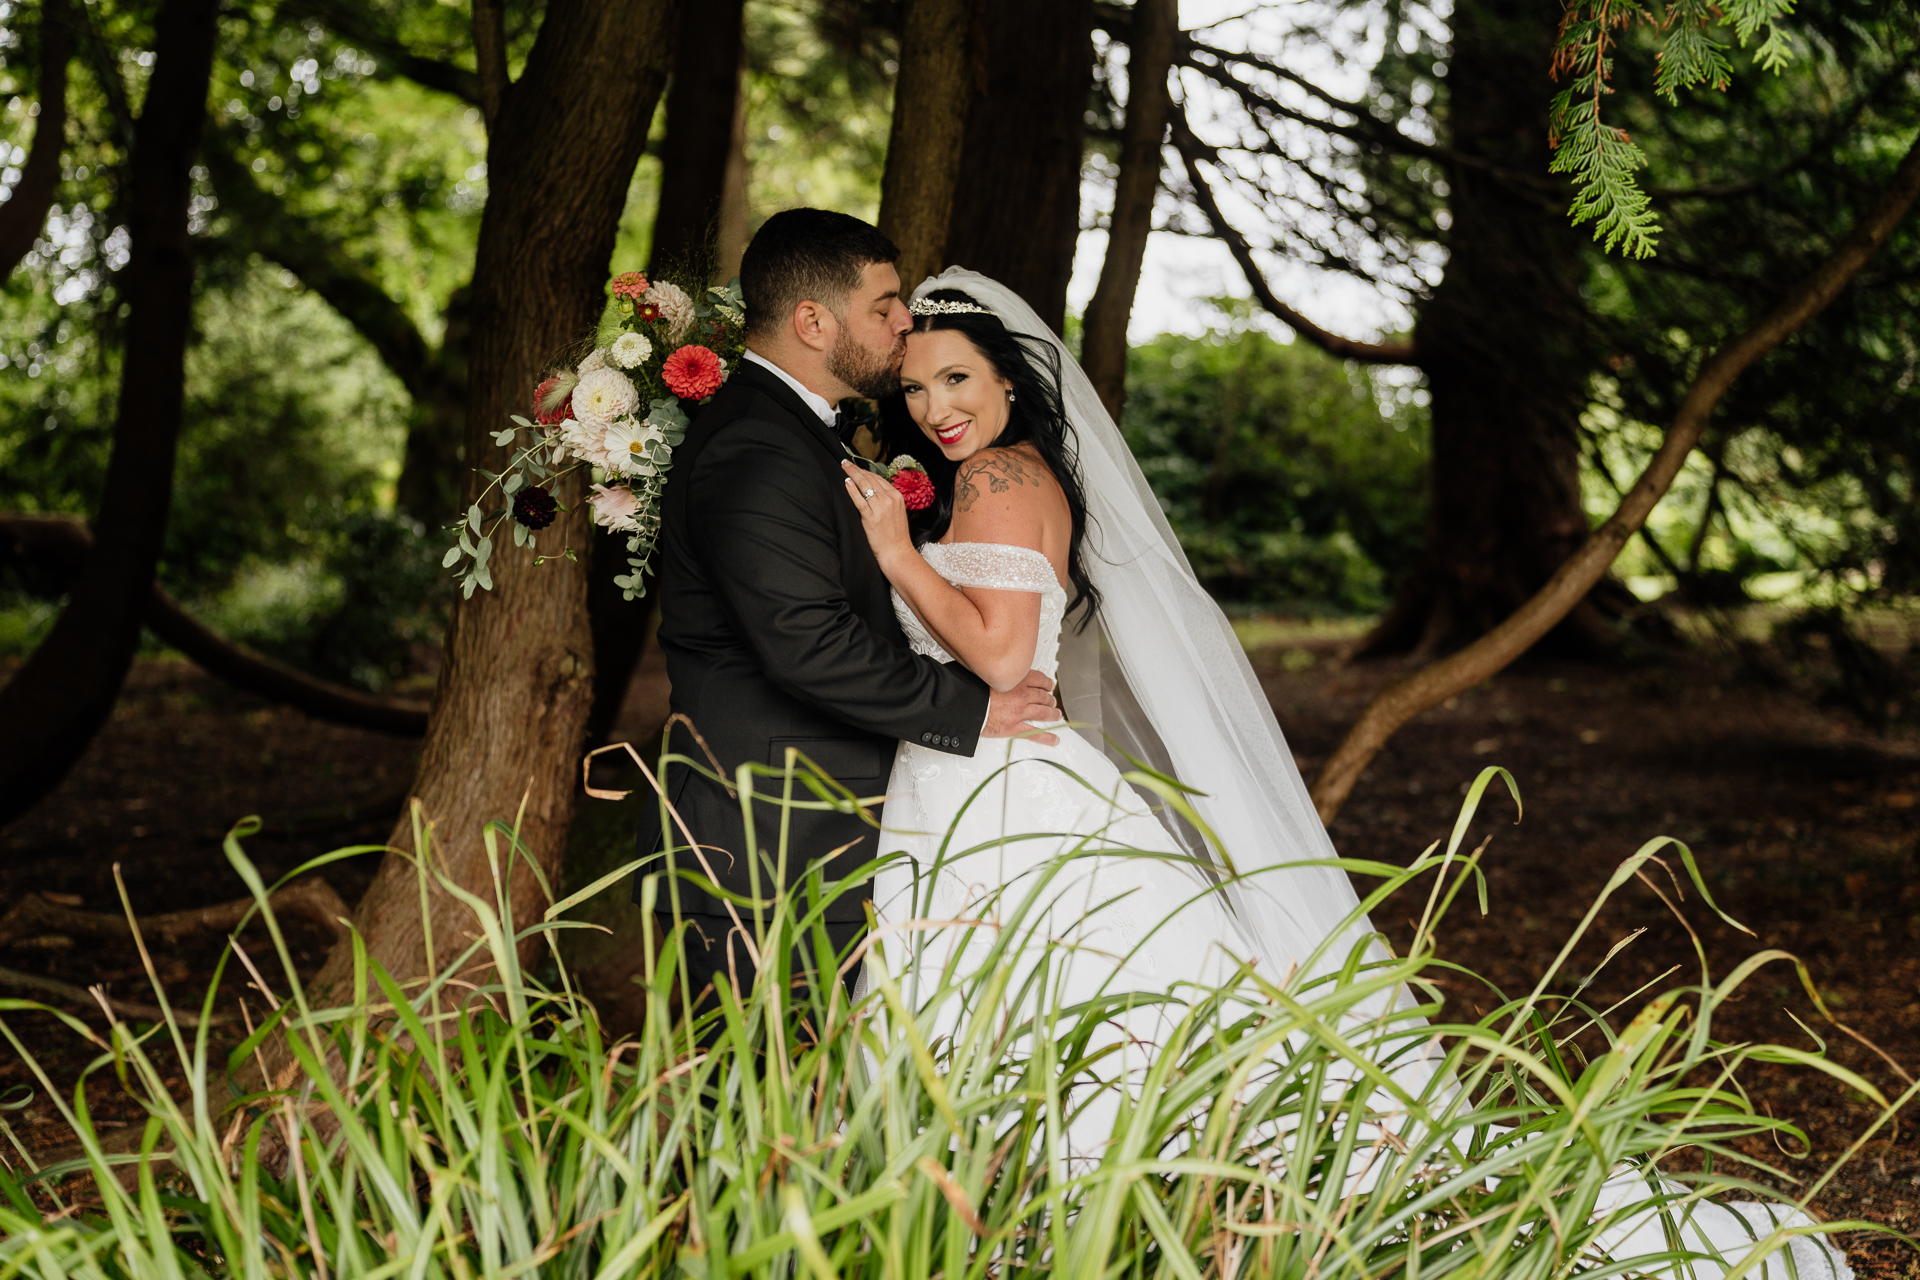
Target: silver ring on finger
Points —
{"points": [[868, 492]]}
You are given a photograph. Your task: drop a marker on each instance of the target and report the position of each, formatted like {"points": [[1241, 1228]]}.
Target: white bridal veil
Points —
{"points": [[1161, 673]]}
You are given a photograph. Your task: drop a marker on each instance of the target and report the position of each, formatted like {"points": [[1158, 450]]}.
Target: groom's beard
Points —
{"points": [[872, 375]]}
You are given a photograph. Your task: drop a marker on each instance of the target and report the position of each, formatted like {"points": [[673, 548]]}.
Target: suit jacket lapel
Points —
{"points": [[809, 422]]}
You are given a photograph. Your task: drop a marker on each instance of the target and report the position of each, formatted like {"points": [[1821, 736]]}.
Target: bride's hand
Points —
{"points": [[883, 513]]}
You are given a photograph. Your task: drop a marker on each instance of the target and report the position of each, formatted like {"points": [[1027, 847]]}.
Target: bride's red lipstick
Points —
{"points": [[951, 435]]}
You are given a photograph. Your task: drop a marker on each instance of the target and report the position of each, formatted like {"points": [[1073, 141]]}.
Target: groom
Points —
{"points": [[776, 623]]}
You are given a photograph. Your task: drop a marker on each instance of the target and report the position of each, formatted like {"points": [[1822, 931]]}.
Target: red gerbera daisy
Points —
{"points": [[693, 373], [647, 310]]}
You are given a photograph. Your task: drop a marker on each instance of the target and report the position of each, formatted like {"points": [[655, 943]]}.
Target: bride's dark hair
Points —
{"points": [[1036, 417]]}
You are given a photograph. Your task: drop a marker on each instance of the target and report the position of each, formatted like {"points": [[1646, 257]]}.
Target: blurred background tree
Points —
{"points": [[1430, 478]]}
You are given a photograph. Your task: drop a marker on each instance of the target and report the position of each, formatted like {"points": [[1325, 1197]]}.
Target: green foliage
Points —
{"points": [[1307, 1124], [1291, 479], [1603, 158]]}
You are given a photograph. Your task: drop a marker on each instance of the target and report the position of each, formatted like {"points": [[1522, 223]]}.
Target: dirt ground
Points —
{"points": [[1803, 821]]}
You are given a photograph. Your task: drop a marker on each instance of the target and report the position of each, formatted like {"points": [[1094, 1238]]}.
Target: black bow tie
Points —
{"points": [[842, 429]]}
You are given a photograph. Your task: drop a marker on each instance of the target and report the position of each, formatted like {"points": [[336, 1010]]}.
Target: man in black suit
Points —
{"points": [[776, 623]]}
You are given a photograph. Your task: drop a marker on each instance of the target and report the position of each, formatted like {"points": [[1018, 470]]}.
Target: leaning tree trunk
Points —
{"points": [[1016, 215], [25, 211], [517, 682], [701, 102], [930, 97], [57, 701], [1501, 343], [1103, 347]]}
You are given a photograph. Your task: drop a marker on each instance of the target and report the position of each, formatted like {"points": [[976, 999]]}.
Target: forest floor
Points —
{"points": [[1804, 822]]}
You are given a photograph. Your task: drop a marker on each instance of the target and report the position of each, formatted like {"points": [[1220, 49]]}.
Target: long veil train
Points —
{"points": [[1161, 673]]}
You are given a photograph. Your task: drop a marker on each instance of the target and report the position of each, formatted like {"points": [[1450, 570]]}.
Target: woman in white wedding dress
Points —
{"points": [[1046, 549]]}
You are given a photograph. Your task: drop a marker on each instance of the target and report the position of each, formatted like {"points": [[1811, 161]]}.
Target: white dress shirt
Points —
{"points": [[821, 406]]}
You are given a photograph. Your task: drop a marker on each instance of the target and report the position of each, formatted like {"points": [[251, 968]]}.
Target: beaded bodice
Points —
{"points": [[997, 566]]}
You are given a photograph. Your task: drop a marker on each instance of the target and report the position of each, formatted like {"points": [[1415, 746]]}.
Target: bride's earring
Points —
{"points": [[1011, 397]]}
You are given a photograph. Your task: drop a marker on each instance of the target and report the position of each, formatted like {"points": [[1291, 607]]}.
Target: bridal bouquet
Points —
{"points": [[621, 412]]}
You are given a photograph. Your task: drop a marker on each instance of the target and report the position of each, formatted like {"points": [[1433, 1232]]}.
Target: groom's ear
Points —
{"points": [[814, 326]]}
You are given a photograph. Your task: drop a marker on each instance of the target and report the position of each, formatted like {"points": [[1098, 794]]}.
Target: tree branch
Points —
{"points": [[25, 212], [1334, 345], [490, 56], [263, 223], [351, 23], [49, 552], [1400, 701]]}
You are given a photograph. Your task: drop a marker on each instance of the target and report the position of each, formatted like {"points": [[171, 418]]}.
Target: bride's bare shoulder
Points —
{"points": [[1012, 477]]}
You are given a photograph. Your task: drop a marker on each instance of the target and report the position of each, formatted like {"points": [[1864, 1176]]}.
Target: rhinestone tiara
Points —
{"points": [[944, 307]]}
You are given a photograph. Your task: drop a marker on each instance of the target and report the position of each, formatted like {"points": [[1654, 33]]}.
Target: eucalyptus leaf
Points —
{"points": [[451, 558]]}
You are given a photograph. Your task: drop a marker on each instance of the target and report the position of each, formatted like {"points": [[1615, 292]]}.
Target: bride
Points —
{"points": [[1045, 549]]}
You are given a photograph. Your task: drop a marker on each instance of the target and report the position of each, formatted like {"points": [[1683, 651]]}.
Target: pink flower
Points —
{"points": [[614, 507], [629, 284], [693, 373]]}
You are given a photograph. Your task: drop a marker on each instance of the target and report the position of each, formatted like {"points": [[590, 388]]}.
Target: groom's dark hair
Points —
{"points": [[803, 254]]}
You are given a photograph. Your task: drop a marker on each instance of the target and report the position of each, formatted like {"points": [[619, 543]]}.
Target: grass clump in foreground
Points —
{"points": [[1284, 1127]]}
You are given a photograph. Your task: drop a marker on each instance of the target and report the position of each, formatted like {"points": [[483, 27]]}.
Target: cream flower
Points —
{"points": [[627, 446], [630, 351], [603, 396], [676, 308], [596, 359], [615, 508], [586, 440]]}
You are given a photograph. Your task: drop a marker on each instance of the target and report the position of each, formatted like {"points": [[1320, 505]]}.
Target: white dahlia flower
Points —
{"points": [[586, 440], [676, 308], [630, 351], [603, 396], [615, 508], [596, 359], [627, 446]]}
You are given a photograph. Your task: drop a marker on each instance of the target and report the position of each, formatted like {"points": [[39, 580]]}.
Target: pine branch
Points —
{"points": [[1602, 158]]}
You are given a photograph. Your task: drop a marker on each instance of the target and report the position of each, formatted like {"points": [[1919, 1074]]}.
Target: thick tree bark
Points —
{"points": [[25, 211], [1103, 343], [516, 686], [66, 690], [1400, 701], [1501, 342], [1016, 217], [930, 98], [702, 102]]}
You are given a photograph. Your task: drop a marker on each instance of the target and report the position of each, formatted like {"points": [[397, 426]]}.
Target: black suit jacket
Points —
{"points": [[778, 631]]}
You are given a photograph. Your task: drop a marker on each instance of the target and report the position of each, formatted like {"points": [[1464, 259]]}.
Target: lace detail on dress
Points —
{"points": [[997, 566]]}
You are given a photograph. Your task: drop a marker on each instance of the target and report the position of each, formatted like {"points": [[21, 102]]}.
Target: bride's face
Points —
{"points": [[953, 392]]}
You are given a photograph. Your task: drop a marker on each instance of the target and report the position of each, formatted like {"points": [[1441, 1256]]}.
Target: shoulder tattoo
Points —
{"points": [[997, 470]]}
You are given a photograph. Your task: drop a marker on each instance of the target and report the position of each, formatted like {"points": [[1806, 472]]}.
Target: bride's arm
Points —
{"points": [[991, 633]]}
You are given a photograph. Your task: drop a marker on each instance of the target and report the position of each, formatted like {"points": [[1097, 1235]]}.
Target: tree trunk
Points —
{"points": [[429, 485], [1407, 697], [702, 101], [57, 701], [732, 240], [25, 211], [1017, 216], [930, 97], [1501, 343], [1103, 344], [516, 685]]}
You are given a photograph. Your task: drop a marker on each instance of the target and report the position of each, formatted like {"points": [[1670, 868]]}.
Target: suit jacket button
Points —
{"points": [[926, 737]]}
